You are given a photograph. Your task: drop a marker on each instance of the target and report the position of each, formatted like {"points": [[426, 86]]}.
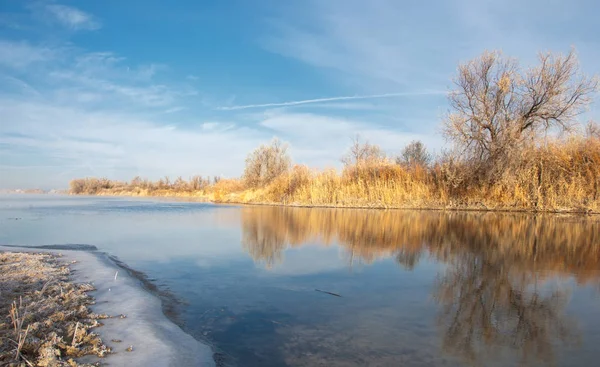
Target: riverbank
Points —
{"points": [[79, 292], [242, 199], [557, 176]]}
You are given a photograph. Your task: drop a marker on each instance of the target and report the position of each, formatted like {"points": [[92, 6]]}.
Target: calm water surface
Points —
{"points": [[415, 288]]}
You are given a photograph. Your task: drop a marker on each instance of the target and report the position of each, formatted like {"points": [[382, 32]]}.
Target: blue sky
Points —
{"points": [[153, 88]]}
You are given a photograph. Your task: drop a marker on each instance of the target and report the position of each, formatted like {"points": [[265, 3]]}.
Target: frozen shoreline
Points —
{"points": [[156, 341]]}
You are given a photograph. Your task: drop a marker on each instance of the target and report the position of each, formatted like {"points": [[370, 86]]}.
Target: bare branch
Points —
{"points": [[497, 109]]}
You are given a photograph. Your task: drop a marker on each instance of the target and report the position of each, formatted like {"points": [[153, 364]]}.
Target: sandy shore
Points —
{"points": [[143, 336]]}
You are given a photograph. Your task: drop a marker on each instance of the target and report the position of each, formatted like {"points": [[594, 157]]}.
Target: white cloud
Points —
{"points": [[146, 72], [152, 95], [73, 75], [73, 18], [91, 114], [174, 109], [360, 39], [19, 55], [111, 144], [18, 86]]}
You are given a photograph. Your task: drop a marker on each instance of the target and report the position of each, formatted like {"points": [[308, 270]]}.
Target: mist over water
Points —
{"points": [[411, 288]]}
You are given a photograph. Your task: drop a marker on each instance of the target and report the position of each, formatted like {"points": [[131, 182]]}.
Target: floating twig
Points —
{"points": [[333, 294]]}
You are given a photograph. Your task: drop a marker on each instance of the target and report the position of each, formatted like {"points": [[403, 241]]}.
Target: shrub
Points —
{"points": [[266, 163]]}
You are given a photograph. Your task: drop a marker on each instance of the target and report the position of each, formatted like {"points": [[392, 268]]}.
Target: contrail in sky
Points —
{"points": [[330, 99]]}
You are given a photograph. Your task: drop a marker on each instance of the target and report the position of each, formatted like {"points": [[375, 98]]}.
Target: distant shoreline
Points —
{"points": [[233, 200], [34, 191], [560, 176]]}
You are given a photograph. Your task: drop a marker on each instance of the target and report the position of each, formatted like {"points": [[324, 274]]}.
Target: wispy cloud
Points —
{"points": [[329, 99], [73, 75], [175, 109], [111, 143], [151, 95], [18, 86], [73, 18], [372, 42], [385, 43], [19, 55]]}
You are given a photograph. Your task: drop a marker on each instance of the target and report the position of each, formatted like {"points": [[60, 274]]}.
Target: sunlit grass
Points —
{"points": [[556, 176]]}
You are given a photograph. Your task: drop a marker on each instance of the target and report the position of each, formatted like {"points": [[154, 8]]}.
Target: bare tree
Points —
{"points": [[136, 182], [362, 153], [180, 184], [497, 107], [414, 154], [199, 182], [265, 163], [592, 130]]}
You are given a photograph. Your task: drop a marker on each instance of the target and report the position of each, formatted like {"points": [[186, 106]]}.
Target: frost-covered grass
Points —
{"points": [[51, 293], [45, 318]]}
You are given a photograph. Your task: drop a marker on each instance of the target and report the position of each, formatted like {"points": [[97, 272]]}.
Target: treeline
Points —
{"points": [[515, 143], [200, 187], [94, 186]]}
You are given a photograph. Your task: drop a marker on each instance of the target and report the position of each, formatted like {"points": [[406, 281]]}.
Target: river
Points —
{"points": [[275, 286]]}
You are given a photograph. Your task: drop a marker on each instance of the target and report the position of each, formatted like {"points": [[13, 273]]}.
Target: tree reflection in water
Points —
{"points": [[497, 292], [486, 305]]}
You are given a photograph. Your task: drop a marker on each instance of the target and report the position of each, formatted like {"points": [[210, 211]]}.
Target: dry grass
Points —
{"points": [[382, 185], [20, 334], [46, 320], [562, 175], [557, 176]]}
